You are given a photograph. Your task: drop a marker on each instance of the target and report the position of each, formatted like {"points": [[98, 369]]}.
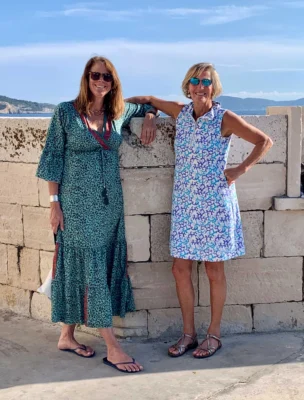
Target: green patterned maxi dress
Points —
{"points": [[90, 280]]}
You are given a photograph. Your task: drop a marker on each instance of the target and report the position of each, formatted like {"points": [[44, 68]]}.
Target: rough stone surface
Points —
{"points": [[147, 191], [279, 317], [253, 233], [154, 285], [3, 264], [274, 126], [264, 280], [167, 323], [37, 231], [44, 197], [134, 325], [286, 203], [159, 153], [13, 266], [11, 230], [257, 187], [138, 238], [160, 237], [284, 233], [29, 265], [22, 139], [41, 307], [46, 264], [18, 184], [14, 299]]}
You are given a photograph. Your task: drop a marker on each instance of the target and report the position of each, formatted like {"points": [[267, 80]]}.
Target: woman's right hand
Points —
{"points": [[139, 99], [56, 217]]}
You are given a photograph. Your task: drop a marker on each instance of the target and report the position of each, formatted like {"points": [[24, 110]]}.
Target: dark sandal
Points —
{"points": [[80, 347], [182, 348], [210, 349], [110, 364]]}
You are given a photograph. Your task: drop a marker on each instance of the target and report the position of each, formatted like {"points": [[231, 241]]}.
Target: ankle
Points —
{"points": [[214, 330]]}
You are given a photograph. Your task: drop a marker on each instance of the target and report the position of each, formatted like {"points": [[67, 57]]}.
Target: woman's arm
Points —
{"points": [[56, 215], [171, 108], [232, 123]]}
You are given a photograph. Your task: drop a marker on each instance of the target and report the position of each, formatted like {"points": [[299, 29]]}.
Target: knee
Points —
{"points": [[215, 272], [182, 269]]}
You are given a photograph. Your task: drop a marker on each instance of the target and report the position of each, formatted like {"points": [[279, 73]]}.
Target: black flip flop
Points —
{"points": [[81, 347], [107, 362]]}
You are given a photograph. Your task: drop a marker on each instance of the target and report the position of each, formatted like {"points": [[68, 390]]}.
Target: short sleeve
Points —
{"points": [[50, 167], [135, 110]]}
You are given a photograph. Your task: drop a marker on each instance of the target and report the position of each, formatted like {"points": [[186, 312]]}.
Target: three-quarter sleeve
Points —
{"points": [[50, 167], [135, 110]]}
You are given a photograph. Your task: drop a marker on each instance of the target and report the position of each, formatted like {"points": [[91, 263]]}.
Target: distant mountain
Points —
{"points": [[236, 103], [14, 106]]}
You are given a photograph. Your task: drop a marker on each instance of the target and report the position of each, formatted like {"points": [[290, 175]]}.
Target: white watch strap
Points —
{"points": [[54, 197]]}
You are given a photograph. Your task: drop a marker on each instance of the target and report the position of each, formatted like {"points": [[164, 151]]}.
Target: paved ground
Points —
{"points": [[259, 367]]}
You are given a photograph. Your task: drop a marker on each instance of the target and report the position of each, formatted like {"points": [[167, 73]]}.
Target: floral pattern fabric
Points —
{"points": [[206, 223]]}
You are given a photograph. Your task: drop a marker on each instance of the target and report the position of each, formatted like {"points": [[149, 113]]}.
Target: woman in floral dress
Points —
{"points": [[80, 161], [206, 223]]}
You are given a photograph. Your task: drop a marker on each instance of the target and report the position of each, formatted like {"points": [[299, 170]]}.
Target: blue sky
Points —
{"points": [[256, 46]]}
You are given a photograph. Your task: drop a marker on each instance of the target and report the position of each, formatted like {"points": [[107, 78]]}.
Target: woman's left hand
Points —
{"points": [[148, 132], [232, 174]]}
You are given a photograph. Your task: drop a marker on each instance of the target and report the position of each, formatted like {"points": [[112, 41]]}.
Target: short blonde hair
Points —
{"points": [[114, 101], [195, 70]]}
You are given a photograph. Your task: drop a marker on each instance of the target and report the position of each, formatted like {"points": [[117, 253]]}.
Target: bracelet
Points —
{"points": [[53, 198]]}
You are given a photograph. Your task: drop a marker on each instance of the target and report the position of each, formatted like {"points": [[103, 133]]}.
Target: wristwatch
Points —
{"points": [[53, 198]]}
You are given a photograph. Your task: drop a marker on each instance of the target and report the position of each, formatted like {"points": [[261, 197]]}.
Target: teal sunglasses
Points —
{"points": [[195, 81]]}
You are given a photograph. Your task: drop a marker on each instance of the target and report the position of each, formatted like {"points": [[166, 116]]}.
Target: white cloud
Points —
{"points": [[219, 15], [274, 95]]}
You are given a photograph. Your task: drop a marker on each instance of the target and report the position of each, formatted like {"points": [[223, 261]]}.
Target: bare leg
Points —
{"points": [[216, 275], [115, 353], [68, 341], [182, 270]]}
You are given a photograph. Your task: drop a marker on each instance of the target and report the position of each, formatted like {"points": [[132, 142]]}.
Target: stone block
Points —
{"points": [[22, 139], [264, 280], [44, 196], [18, 184], [3, 264], [288, 203], [279, 317], [168, 323], [37, 230], [253, 233], [11, 229], [154, 285], [41, 307], [259, 185], [274, 126], [133, 325], [138, 237], [147, 191], [160, 237], [46, 264], [13, 266], [29, 265], [14, 299], [284, 233], [159, 153]]}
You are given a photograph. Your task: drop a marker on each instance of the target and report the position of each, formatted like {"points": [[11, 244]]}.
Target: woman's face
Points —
{"points": [[200, 93], [100, 80]]}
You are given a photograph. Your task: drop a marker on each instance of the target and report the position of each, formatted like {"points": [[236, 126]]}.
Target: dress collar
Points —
{"points": [[210, 114]]}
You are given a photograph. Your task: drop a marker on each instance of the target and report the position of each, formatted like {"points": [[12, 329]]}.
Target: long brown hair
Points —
{"points": [[113, 103]]}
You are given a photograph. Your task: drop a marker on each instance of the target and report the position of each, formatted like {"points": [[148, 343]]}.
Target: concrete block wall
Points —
{"points": [[265, 287]]}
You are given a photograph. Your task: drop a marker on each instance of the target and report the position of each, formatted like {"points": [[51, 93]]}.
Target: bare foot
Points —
{"points": [[117, 355], [202, 350], [71, 343]]}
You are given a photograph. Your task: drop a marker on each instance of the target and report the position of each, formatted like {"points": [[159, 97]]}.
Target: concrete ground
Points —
{"points": [[256, 366]]}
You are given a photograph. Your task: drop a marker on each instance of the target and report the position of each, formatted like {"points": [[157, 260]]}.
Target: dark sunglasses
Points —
{"points": [[196, 81], [95, 76]]}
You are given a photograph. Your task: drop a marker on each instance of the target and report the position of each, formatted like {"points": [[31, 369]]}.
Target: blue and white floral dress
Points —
{"points": [[206, 223]]}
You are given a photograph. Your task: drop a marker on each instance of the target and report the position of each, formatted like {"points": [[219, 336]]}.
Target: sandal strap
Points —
{"points": [[181, 347], [209, 335], [127, 362]]}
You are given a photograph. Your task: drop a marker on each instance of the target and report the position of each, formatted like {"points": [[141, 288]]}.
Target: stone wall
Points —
{"points": [[265, 287]]}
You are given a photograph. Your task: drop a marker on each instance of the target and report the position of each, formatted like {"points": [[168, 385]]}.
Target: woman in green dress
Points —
{"points": [[80, 161]]}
